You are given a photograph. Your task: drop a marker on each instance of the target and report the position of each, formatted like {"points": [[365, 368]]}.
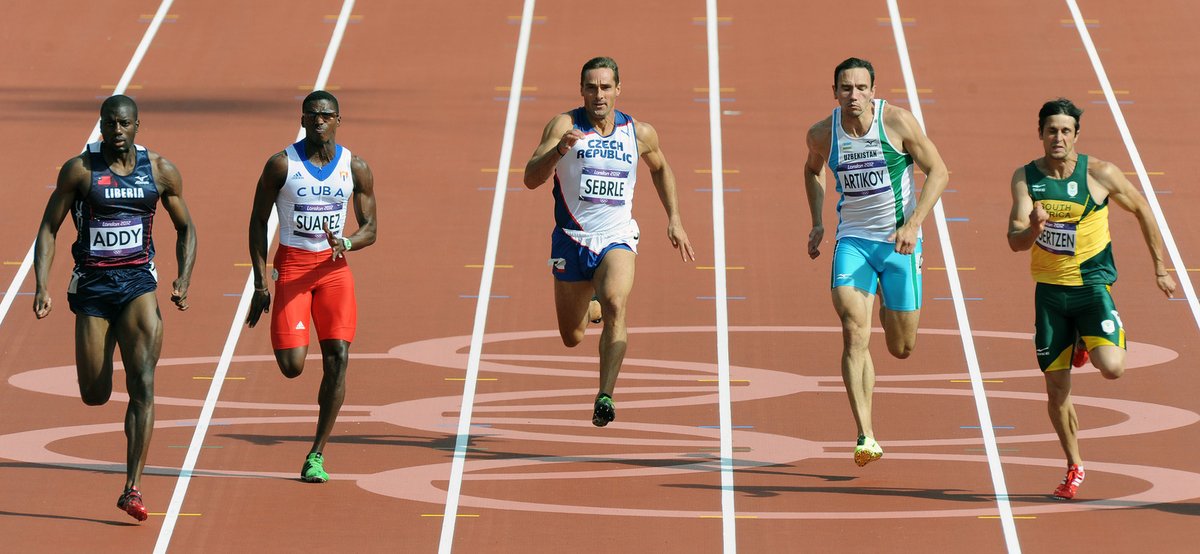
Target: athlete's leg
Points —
{"points": [[291, 360], [1062, 413], [1110, 360], [900, 299], [571, 300], [900, 330], [335, 357], [95, 340], [614, 281], [139, 334], [853, 307]]}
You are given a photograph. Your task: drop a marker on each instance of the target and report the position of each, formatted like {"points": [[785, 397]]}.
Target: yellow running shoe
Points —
{"points": [[867, 451]]}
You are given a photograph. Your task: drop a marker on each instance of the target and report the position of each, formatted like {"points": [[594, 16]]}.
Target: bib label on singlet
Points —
{"points": [[112, 238], [864, 178], [603, 186], [311, 219], [1058, 238]]}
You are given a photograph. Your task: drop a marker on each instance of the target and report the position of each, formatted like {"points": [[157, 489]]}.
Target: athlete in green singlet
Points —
{"points": [[1060, 211]]}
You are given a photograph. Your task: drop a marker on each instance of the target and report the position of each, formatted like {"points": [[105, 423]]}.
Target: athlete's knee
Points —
{"points": [[902, 348], [1111, 372], [571, 337], [290, 364], [335, 355], [96, 395]]}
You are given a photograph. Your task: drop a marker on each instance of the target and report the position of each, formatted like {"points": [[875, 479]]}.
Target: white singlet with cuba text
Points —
{"points": [[313, 198]]}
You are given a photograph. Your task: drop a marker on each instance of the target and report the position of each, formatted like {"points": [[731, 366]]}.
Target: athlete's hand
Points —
{"points": [[179, 290], [260, 302], [569, 139], [814, 241], [41, 304], [679, 239], [336, 246], [905, 238], [1037, 219], [1166, 284]]}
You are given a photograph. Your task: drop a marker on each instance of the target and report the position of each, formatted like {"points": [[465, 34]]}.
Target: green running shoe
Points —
{"points": [[604, 411], [867, 451], [314, 469]]}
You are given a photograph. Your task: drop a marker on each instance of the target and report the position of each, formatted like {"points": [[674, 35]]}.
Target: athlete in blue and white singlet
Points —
{"points": [[312, 184], [592, 153], [593, 193], [871, 148]]}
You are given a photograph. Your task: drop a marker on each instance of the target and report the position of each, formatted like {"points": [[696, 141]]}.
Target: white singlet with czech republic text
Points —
{"points": [[594, 183], [874, 178], [313, 197]]}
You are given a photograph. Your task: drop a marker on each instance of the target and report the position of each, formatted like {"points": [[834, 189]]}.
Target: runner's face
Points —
{"points": [[600, 92], [1058, 136], [320, 120], [854, 91], [118, 127]]}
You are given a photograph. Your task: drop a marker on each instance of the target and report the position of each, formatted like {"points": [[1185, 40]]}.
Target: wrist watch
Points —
{"points": [[346, 243]]}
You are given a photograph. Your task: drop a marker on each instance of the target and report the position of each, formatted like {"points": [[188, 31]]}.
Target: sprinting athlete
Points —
{"points": [[871, 147], [592, 152], [1060, 212], [311, 183], [112, 191]]}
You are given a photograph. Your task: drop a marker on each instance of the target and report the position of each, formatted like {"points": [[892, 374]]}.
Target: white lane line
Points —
{"points": [[134, 62], [485, 284], [960, 309], [728, 511], [235, 328], [1181, 273]]}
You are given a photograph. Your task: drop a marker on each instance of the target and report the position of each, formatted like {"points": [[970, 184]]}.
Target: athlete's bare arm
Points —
{"points": [[900, 121], [364, 211], [269, 184], [1120, 190], [814, 181], [1027, 218], [664, 182], [170, 192], [557, 139], [74, 181]]}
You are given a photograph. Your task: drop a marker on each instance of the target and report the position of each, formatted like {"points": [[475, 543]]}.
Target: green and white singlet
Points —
{"points": [[874, 178]]}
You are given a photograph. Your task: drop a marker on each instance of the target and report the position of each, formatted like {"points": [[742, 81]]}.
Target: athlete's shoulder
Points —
{"points": [[896, 117], [1100, 168], [821, 130]]}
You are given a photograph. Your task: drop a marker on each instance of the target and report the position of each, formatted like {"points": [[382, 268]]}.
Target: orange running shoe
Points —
{"points": [[131, 502], [1070, 484], [1080, 356]]}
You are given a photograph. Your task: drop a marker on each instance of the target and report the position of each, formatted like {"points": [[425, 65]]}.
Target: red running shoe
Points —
{"points": [[1080, 356], [131, 502], [1070, 483]]}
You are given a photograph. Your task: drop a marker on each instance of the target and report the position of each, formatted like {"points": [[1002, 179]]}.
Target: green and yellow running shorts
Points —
{"points": [[1063, 313]]}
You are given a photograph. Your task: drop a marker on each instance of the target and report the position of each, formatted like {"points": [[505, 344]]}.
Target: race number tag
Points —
{"points": [[311, 219], [603, 186], [113, 238], [864, 178], [1058, 238]]}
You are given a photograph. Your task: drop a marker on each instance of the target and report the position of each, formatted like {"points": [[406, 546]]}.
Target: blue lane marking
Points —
{"points": [[958, 219]]}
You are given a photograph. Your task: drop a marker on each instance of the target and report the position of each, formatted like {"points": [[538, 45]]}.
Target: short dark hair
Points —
{"points": [[118, 101], [852, 63], [1058, 106], [317, 95], [600, 62]]}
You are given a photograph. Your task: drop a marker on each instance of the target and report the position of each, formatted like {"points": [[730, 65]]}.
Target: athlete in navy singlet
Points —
{"points": [[111, 191], [592, 153]]}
